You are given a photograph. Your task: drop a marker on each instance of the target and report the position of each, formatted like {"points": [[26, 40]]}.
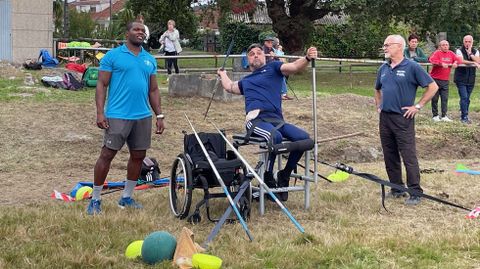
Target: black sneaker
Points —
{"points": [[413, 200], [396, 194], [283, 182], [269, 180], [271, 183]]}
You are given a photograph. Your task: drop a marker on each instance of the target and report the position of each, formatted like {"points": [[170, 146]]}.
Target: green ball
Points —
{"points": [[134, 250], [158, 246]]}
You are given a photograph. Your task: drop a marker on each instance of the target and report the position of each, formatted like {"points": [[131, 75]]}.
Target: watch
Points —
{"points": [[161, 116], [417, 106]]}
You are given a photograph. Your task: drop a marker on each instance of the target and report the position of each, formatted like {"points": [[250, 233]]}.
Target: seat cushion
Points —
{"points": [[220, 164]]}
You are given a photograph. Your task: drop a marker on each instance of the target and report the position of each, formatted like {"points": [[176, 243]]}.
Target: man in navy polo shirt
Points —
{"points": [[395, 90], [129, 73], [263, 105]]}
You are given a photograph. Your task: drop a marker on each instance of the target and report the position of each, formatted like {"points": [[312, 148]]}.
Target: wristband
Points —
{"points": [[161, 116], [308, 60]]}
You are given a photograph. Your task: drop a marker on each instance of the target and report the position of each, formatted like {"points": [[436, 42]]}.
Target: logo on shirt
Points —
{"points": [[263, 71], [147, 62], [400, 73]]}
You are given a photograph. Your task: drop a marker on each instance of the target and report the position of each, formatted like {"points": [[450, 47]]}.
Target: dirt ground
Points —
{"points": [[54, 145]]}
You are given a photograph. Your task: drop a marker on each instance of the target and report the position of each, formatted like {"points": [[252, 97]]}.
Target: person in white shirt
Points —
{"points": [[171, 42]]}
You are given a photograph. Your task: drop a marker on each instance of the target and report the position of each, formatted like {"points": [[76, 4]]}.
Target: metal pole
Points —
{"points": [[315, 131], [65, 19], [111, 21]]}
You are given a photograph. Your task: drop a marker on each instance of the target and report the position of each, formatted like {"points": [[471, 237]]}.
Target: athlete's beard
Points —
{"points": [[256, 64]]}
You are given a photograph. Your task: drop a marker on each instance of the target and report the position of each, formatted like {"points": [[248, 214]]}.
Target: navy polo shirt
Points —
{"points": [[399, 84], [129, 83], [262, 90]]}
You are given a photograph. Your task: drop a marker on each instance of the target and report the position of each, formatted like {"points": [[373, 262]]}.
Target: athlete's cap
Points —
{"points": [[254, 45], [269, 38]]}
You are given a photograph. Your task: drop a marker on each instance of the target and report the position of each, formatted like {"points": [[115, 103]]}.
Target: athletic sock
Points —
{"points": [[129, 186], [97, 190]]}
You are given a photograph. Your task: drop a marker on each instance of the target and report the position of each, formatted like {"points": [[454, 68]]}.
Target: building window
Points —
{"points": [[93, 9]]}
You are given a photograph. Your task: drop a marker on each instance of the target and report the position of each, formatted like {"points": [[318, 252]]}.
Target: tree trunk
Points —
{"points": [[294, 29]]}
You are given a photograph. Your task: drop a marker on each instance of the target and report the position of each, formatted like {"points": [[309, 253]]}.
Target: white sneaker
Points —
{"points": [[436, 119], [446, 119]]}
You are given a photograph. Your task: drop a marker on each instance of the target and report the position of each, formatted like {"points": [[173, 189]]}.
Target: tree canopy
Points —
{"points": [[158, 12], [293, 20]]}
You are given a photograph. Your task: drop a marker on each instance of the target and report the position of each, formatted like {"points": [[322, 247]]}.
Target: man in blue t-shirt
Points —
{"points": [[395, 91], [129, 73], [263, 106]]}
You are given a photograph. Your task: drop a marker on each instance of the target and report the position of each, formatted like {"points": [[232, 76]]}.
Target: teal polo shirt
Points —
{"points": [[399, 84], [129, 84]]}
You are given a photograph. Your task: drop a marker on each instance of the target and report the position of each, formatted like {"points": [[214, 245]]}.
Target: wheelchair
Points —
{"points": [[191, 171]]}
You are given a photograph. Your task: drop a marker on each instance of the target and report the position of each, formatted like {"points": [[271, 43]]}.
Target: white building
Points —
{"points": [[26, 26]]}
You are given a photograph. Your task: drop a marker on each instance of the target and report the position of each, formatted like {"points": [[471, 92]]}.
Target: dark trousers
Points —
{"points": [[397, 135], [464, 91], [443, 94], [171, 61], [291, 132]]}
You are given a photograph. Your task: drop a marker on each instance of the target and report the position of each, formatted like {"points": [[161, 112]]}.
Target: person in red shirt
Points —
{"points": [[443, 60]]}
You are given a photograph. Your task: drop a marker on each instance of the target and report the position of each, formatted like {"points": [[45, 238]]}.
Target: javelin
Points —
{"points": [[219, 178], [251, 170], [227, 54]]}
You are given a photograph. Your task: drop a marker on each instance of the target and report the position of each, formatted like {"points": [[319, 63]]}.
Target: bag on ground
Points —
{"points": [[71, 82], [150, 169], [46, 59], [90, 77], [32, 65], [53, 81]]}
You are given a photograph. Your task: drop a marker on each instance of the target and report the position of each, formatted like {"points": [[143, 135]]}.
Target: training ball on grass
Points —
{"points": [[158, 246], [83, 193], [204, 261], [134, 250], [338, 176]]}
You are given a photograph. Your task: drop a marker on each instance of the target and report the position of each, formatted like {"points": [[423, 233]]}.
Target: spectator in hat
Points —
{"points": [[268, 49]]}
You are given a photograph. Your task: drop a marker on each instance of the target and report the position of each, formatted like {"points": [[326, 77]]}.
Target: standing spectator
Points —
{"points": [[268, 49], [170, 39], [395, 91], [129, 74], [278, 50], [141, 20], [443, 60], [464, 76], [413, 52]]}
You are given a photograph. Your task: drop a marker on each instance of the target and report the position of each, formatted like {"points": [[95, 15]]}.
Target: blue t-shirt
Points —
{"points": [[129, 84], [262, 90], [399, 85]]}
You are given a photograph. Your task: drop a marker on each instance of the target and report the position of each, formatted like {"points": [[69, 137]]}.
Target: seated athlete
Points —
{"points": [[263, 106]]}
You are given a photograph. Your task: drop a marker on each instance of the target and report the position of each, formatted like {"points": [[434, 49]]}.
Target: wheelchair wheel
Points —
{"points": [[181, 186]]}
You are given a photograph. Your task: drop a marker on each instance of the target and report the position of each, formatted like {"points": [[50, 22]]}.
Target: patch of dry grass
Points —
{"points": [[52, 143]]}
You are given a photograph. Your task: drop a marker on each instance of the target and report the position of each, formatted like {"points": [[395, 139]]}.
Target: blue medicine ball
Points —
{"points": [[158, 246]]}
